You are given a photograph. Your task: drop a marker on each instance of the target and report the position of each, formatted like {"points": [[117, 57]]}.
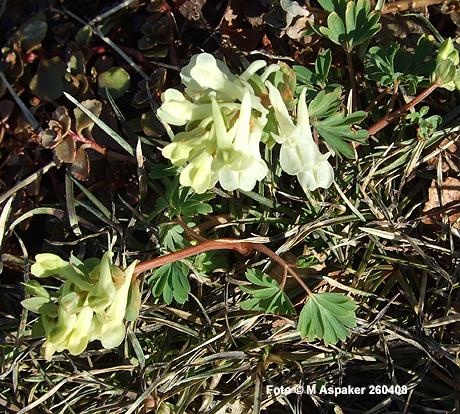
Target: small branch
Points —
{"points": [[190, 232], [351, 73], [393, 98], [379, 97], [220, 244], [100, 149], [241, 247], [396, 114]]}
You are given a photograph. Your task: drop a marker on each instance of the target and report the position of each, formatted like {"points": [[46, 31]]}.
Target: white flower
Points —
{"points": [[176, 109], [205, 75], [299, 154], [224, 121], [238, 163]]}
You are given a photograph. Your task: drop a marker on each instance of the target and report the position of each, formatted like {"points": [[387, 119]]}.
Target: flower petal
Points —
{"points": [[285, 124], [198, 174]]}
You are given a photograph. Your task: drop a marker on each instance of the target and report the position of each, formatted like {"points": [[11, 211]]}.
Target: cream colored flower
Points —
{"points": [[299, 154], [82, 313]]}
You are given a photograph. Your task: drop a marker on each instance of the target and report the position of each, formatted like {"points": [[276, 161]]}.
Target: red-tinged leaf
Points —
{"points": [[66, 150], [80, 165]]}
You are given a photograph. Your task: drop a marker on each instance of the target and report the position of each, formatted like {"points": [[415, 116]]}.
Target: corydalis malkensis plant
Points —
{"points": [[225, 121], [95, 299]]}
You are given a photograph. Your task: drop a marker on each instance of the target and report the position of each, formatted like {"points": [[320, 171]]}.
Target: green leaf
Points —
{"points": [[350, 23], [336, 129], [267, 297], [31, 34], [116, 80], [171, 236], [35, 303], [325, 104], [328, 5], [34, 288], [84, 35], [83, 121], [304, 75], [208, 261], [327, 316], [323, 65], [48, 82], [183, 201], [171, 282]]}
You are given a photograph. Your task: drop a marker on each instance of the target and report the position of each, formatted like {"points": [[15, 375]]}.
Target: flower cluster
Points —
{"points": [[92, 303], [224, 120]]}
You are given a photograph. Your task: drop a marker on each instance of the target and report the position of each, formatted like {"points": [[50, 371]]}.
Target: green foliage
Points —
{"points": [[171, 236], [32, 33], [171, 282], [308, 78], [48, 82], [426, 126], [333, 125], [116, 80], [393, 63], [327, 316], [208, 261], [267, 296], [183, 201], [350, 23]]}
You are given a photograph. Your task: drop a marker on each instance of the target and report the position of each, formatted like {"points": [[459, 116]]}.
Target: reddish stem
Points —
{"points": [[241, 247], [396, 114], [100, 149]]}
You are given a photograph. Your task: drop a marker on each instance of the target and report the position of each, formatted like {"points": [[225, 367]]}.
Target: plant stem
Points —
{"points": [[396, 114], [351, 73], [241, 247], [100, 149]]}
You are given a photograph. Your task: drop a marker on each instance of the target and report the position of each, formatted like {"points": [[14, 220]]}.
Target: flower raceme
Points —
{"points": [[92, 304], [225, 121]]}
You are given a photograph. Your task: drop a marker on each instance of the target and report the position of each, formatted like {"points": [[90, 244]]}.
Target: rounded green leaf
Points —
{"points": [[116, 80], [48, 82]]}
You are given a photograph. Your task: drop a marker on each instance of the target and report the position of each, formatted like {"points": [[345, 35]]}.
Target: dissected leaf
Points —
{"points": [[336, 130], [325, 104], [350, 22], [327, 316], [268, 297], [116, 80], [171, 282], [182, 201], [171, 236]]}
